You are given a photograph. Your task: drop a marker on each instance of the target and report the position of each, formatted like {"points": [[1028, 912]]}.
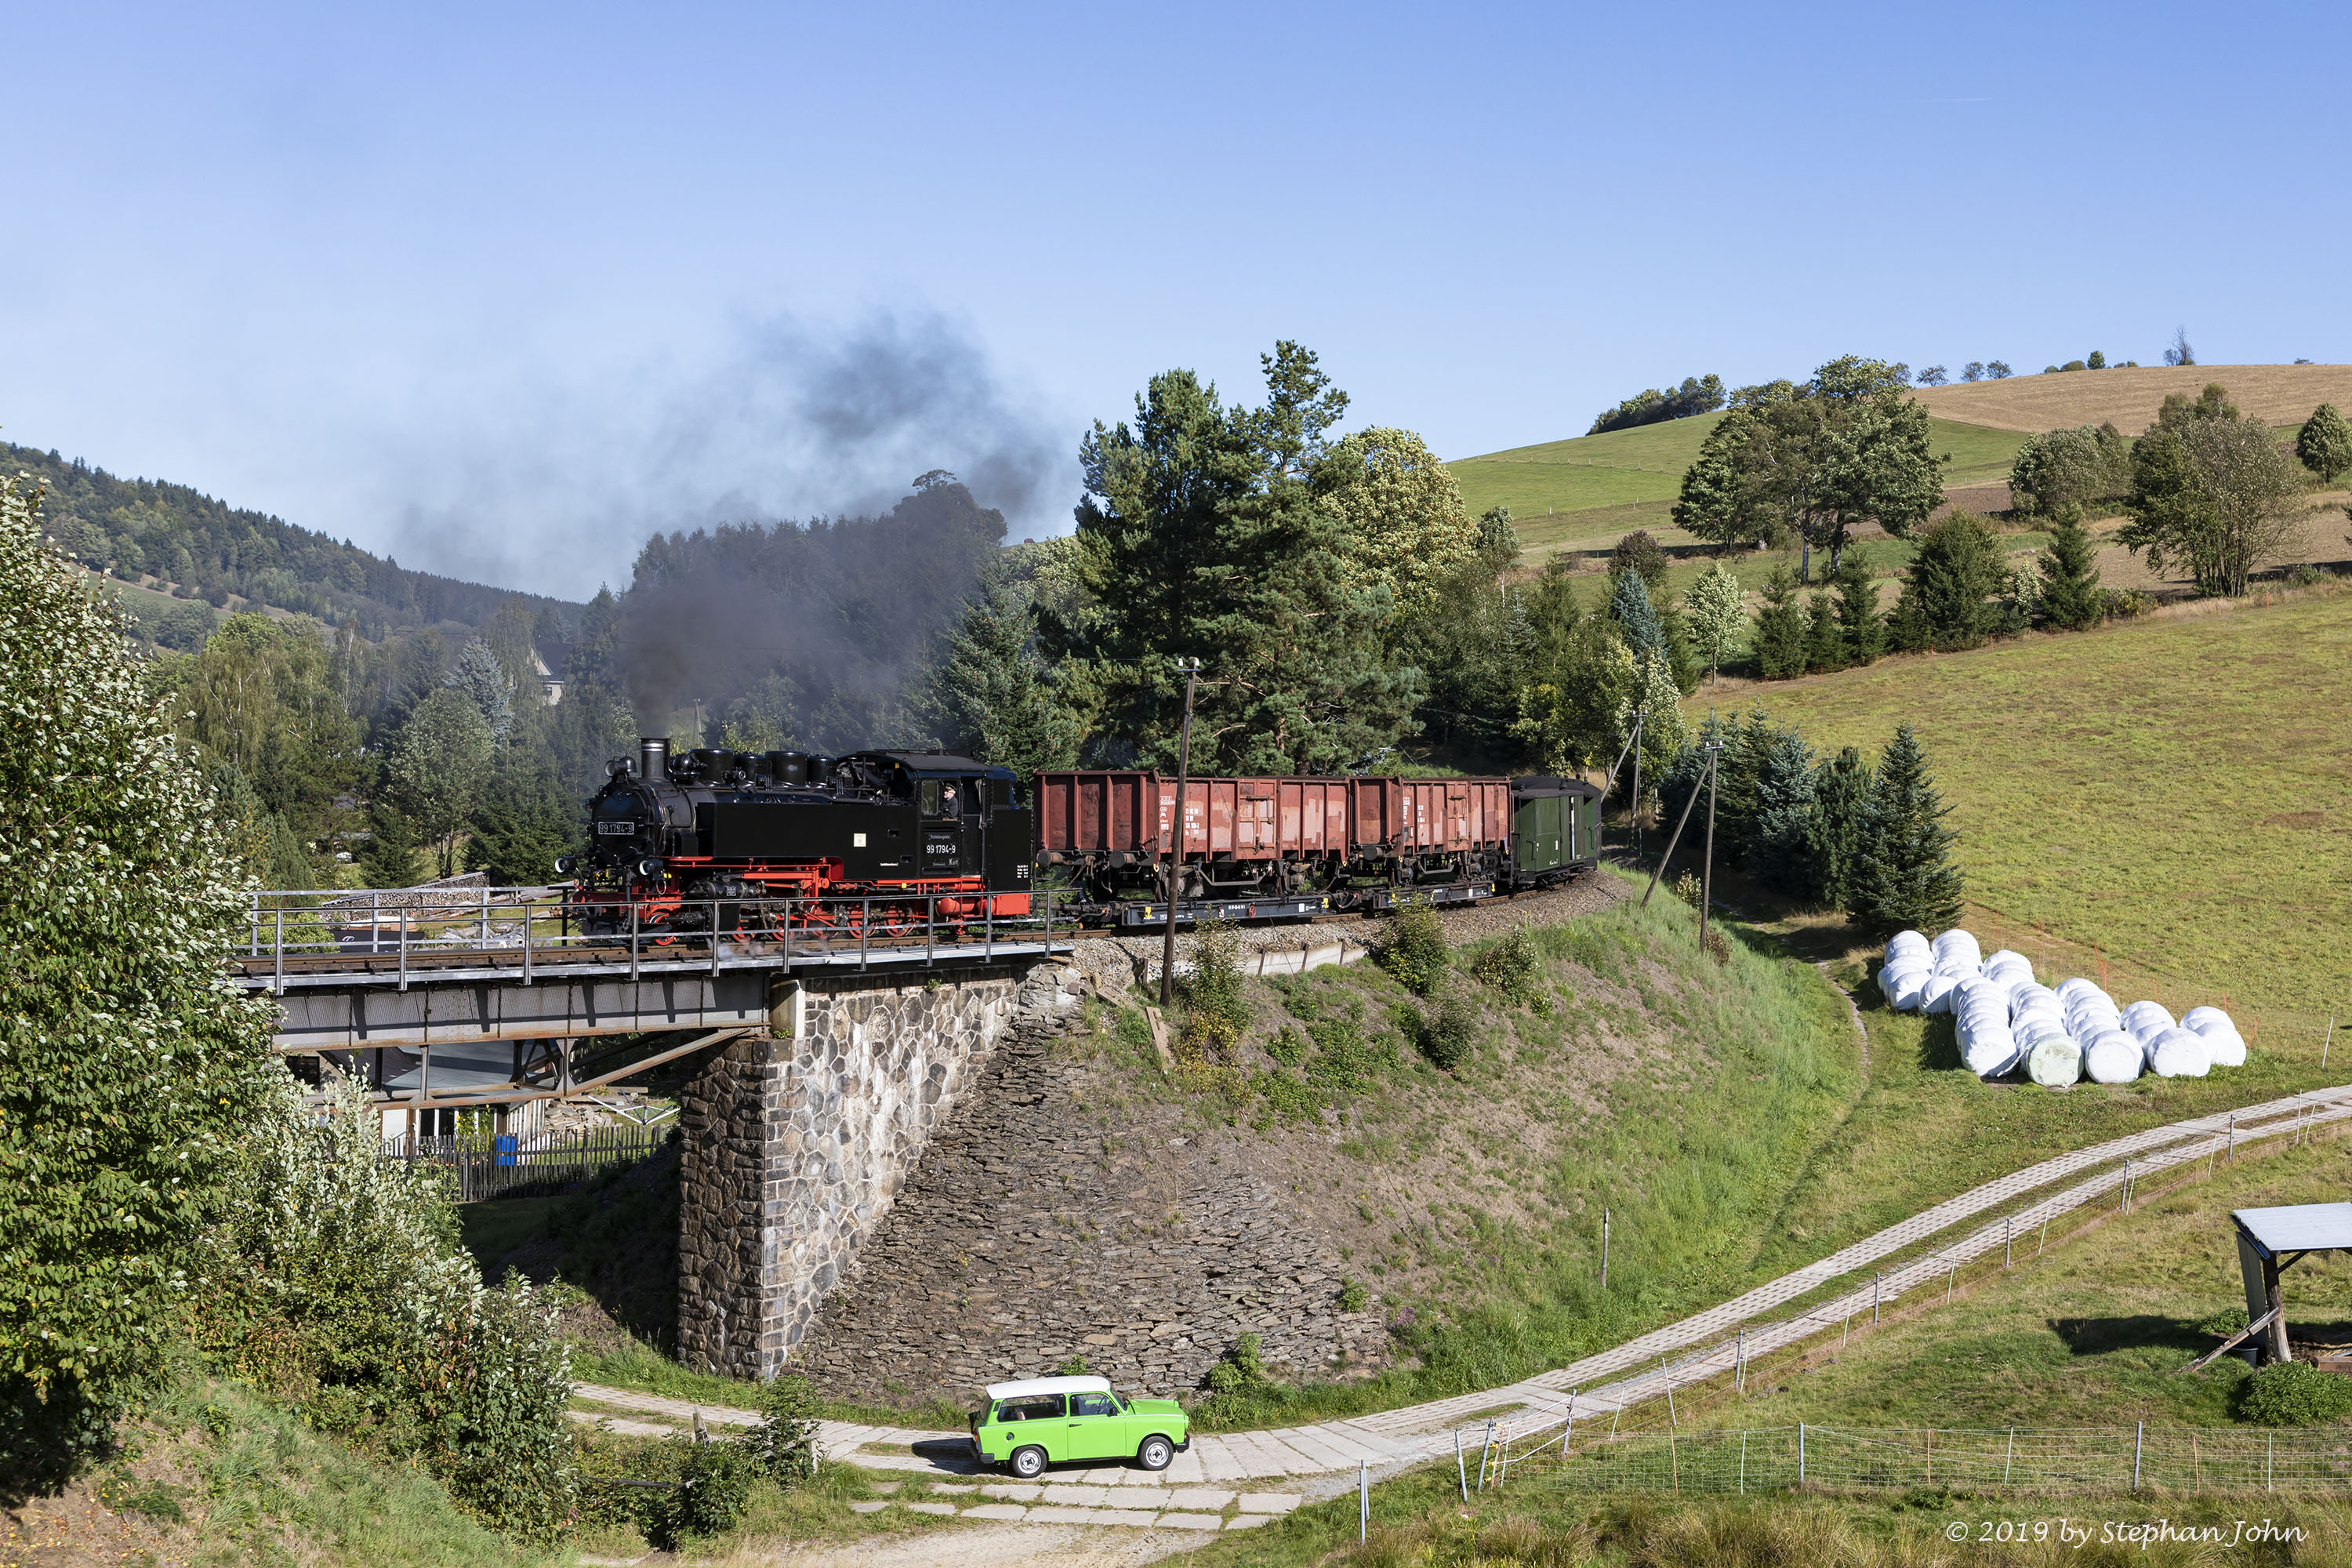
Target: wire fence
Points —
{"points": [[2019, 1459], [1727, 1360], [502, 1165]]}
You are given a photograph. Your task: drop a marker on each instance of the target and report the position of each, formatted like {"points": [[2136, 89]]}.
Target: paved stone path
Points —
{"points": [[1710, 1344]]}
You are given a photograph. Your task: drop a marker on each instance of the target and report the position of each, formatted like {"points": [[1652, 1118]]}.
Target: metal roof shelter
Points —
{"points": [[2270, 1242]]}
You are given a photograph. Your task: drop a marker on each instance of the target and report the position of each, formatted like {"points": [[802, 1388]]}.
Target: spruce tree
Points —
{"points": [[1779, 851], [388, 860], [1861, 630], [1780, 628], [1637, 618], [1838, 834], [2070, 576], [990, 691], [1947, 590], [1906, 879], [1824, 647]]}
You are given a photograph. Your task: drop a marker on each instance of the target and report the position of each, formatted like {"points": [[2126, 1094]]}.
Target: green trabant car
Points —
{"points": [[1025, 1426]]}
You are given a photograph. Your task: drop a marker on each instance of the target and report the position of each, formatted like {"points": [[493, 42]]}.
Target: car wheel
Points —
{"points": [[1027, 1463], [1156, 1454]]}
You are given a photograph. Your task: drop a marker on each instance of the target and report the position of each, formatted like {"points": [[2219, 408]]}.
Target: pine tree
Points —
{"points": [[525, 820], [1838, 834], [990, 694], [1781, 642], [2070, 576], [129, 1072], [1861, 631], [1907, 879]]}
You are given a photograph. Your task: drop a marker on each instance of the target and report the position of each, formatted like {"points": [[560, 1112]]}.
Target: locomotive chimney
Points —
{"points": [[653, 752]]}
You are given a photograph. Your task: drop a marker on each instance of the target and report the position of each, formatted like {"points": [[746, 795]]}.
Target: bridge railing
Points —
{"points": [[315, 931]]}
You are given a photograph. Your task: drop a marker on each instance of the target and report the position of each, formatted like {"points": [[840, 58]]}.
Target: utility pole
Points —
{"points": [[1633, 821], [1192, 669], [1707, 873]]}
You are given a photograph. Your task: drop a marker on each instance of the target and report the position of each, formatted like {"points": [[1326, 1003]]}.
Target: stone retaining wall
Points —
{"points": [[1029, 1236], [798, 1143]]}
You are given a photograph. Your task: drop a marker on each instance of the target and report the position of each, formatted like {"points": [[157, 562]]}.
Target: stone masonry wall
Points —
{"points": [[797, 1144], [1029, 1235]]}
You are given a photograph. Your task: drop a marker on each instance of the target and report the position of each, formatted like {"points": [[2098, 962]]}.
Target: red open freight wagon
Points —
{"points": [[1286, 845]]}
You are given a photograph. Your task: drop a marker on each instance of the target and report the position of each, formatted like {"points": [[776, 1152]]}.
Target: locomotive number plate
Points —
{"points": [[620, 827]]}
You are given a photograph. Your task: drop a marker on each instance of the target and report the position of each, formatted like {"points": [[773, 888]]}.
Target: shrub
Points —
{"points": [[2122, 603], [1449, 1033], [784, 1442], [1239, 1385], [1510, 966], [1216, 1007], [2295, 1394], [2225, 1323], [1414, 950], [1288, 1047], [1353, 1296], [1346, 1060], [718, 1478]]}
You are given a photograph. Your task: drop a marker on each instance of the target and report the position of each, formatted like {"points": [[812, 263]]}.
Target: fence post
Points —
{"points": [[1874, 1281], [1743, 1464], [2045, 1234], [1461, 1469], [1605, 1247], [1739, 1363], [1800, 1453], [1483, 1449], [2010, 1462], [2007, 1227], [2139, 1442], [1363, 1500]]}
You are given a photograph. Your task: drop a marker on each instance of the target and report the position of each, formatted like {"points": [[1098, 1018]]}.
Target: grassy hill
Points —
{"points": [[2174, 793], [1634, 475]]}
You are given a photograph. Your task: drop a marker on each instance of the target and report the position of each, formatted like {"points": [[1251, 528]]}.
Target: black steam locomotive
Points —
{"points": [[768, 841]]}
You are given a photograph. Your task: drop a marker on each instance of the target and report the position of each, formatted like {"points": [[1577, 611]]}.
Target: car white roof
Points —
{"points": [[1028, 1386]]}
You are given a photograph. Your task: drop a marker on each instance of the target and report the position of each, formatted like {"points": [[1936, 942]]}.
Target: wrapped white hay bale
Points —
{"points": [[2069, 989], [1906, 942], [1989, 1051], [1912, 990], [2139, 1013], [1959, 948], [2114, 1057], [2054, 1060], [2008, 958], [2213, 1026], [2180, 1053], [1942, 990], [1896, 976]]}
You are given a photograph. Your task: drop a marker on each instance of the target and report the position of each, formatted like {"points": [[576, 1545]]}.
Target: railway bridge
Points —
{"points": [[822, 1051]]}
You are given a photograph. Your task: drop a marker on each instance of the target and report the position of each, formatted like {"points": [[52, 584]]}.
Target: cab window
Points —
{"points": [[930, 797], [1094, 1404], [1037, 1407]]}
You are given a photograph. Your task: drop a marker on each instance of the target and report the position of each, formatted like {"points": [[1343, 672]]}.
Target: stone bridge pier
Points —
{"points": [[797, 1143]]}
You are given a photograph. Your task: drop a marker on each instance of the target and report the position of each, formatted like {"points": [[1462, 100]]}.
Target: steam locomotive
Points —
{"points": [[762, 841], [887, 841]]}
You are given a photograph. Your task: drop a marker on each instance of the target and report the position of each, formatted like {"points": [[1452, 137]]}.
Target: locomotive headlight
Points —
{"points": [[566, 864], [649, 866]]}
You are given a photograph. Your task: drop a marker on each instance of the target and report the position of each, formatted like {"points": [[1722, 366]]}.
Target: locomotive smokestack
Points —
{"points": [[653, 759]]}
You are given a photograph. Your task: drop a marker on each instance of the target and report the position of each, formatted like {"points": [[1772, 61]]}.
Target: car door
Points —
{"points": [[1040, 1419], [1097, 1428]]}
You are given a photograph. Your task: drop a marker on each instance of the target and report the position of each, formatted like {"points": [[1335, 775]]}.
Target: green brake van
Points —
{"points": [[1025, 1426]]}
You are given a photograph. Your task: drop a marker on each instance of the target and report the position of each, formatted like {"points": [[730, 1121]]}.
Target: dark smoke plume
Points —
{"points": [[794, 421], [804, 636]]}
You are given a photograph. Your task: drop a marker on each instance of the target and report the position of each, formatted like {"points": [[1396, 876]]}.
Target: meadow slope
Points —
{"points": [[2175, 793]]}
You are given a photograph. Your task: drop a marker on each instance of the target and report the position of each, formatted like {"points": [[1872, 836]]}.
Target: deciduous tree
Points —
{"points": [[1716, 609], [1399, 512], [2324, 445], [128, 1073], [438, 763], [2214, 494]]}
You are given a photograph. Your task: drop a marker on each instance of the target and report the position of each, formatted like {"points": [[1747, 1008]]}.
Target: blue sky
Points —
{"points": [[499, 290]]}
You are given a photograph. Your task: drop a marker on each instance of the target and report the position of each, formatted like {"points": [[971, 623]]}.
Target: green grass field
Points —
{"points": [[2169, 794], [1626, 467]]}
